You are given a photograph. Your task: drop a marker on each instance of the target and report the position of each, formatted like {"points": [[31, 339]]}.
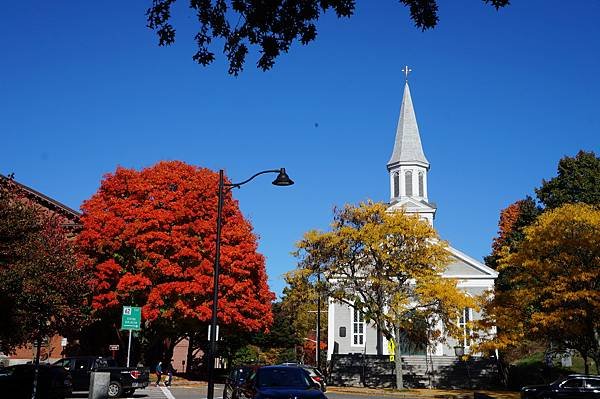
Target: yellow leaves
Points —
{"points": [[554, 276], [388, 264]]}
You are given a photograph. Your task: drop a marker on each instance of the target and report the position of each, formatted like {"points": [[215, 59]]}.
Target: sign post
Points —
{"points": [[131, 319], [113, 349]]}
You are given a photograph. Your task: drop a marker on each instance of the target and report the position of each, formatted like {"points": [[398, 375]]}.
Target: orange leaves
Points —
{"points": [[149, 236], [133, 282]]}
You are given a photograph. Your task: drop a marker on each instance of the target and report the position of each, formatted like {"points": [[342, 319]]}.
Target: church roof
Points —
{"points": [[407, 148], [463, 266]]}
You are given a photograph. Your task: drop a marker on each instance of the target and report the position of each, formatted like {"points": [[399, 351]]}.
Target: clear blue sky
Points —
{"points": [[500, 98]]}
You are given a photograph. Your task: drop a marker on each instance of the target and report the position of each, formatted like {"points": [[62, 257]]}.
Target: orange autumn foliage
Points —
{"points": [[506, 225], [149, 239]]}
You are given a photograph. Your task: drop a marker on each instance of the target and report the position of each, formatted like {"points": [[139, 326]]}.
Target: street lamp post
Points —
{"points": [[318, 357], [459, 351], [281, 180]]}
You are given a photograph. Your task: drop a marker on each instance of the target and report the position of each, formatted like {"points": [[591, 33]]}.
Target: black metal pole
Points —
{"points": [[318, 359], [213, 324]]}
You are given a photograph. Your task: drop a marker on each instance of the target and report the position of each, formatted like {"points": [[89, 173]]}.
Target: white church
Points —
{"points": [[348, 333]]}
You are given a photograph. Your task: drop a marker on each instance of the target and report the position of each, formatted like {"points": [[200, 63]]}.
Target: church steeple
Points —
{"points": [[408, 165], [407, 148]]}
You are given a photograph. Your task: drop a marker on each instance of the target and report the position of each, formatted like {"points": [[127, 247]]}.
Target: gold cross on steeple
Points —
{"points": [[406, 71]]}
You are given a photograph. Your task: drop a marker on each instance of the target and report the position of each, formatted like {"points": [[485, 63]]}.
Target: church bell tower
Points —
{"points": [[408, 166]]}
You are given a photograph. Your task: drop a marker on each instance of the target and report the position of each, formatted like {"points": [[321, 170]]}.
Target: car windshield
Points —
{"points": [[313, 372], [6, 371], [106, 362], [282, 377], [558, 381], [240, 373]]}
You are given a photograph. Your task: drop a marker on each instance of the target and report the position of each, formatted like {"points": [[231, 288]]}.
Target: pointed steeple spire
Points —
{"points": [[407, 148]]}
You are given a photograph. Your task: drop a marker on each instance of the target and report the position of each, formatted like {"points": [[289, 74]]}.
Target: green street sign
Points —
{"points": [[131, 318]]}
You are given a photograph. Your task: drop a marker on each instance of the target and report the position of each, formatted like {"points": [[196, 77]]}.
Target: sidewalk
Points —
{"points": [[427, 393]]}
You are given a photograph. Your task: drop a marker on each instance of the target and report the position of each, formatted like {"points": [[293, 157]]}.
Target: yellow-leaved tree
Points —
{"points": [[556, 282], [389, 267], [301, 302]]}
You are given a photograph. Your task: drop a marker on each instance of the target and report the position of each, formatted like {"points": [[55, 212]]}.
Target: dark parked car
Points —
{"points": [[280, 382], [16, 382], [574, 386], [123, 380], [313, 372], [235, 379]]}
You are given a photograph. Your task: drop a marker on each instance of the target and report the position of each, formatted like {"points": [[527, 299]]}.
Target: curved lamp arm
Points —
{"points": [[282, 179], [237, 185]]}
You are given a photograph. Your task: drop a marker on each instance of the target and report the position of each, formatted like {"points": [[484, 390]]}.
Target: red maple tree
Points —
{"points": [[149, 239], [506, 224]]}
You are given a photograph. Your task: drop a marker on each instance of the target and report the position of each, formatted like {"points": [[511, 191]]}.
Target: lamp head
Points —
{"points": [[459, 350], [283, 179]]}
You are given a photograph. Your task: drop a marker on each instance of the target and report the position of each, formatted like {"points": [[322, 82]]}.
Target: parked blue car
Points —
{"points": [[280, 382]]}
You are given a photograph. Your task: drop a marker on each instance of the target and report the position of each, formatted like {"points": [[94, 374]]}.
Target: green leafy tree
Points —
{"points": [[282, 334], [578, 180], [389, 267], [273, 26], [300, 303]]}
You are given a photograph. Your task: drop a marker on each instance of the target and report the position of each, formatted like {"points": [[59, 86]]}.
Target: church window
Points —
{"points": [[396, 184], [358, 328], [464, 323], [421, 191], [408, 182]]}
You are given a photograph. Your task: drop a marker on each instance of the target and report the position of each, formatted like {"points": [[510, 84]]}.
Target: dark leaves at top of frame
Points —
{"points": [[271, 25]]}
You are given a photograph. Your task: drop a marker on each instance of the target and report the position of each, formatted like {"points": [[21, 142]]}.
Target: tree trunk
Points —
{"points": [[398, 360], [36, 369], [586, 364], [190, 354], [379, 341]]}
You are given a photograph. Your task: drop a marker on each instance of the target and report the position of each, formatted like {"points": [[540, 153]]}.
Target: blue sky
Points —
{"points": [[500, 97]]}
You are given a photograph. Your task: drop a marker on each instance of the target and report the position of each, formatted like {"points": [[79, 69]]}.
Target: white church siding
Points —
{"points": [[343, 316]]}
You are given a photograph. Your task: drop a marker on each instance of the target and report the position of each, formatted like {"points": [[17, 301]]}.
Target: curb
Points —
{"points": [[425, 394]]}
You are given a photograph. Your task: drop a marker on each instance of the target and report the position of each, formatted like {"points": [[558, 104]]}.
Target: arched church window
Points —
{"points": [[421, 184], [408, 182], [396, 184]]}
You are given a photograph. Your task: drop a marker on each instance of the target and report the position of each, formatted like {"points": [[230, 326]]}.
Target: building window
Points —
{"points": [[421, 191], [408, 183], [358, 328], [396, 184], [464, 322], [343, 332]]}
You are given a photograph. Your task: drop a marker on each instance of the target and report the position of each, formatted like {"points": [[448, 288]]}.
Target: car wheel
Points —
{"points": [[114, 389]]}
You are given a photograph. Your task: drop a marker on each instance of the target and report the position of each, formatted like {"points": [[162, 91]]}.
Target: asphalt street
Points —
{"points": [[199, 392]]}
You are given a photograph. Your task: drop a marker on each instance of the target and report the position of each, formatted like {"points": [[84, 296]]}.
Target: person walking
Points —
{"points": [[169, 371], [158, 373]]}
